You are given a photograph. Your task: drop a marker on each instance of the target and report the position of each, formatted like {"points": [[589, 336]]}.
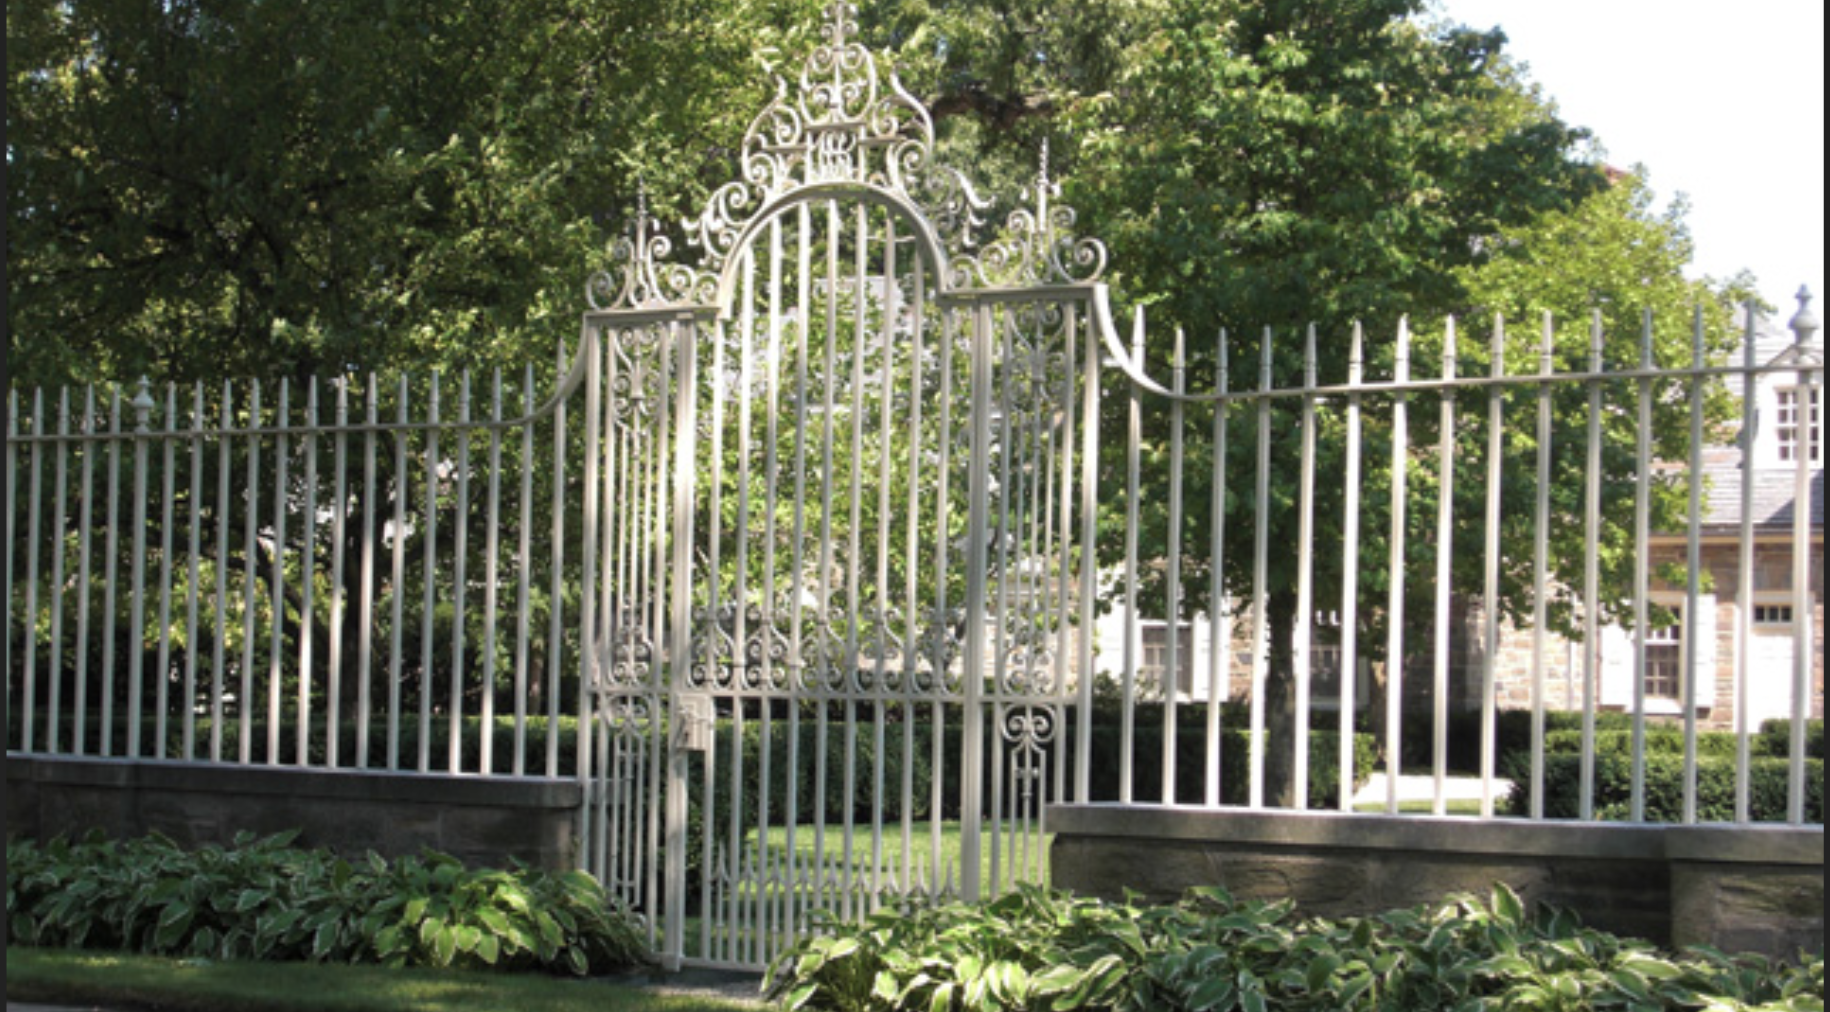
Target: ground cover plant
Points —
{"points": [[263, 899], [1034, 949], [118, 980]]}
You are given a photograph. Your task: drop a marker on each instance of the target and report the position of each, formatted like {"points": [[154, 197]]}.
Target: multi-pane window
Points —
{"points": [[1772, 614], [1665, 661], [1155, 662], [1786, 420]]}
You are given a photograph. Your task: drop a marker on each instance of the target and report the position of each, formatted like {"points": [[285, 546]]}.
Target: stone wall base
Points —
{"points": [[1739, 888], [483, 822]]}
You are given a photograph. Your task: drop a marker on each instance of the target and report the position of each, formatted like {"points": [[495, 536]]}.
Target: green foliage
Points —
{"points": [[263, 899], [1664, 787], [221, 190], [1774, 739], [1039, 950]]}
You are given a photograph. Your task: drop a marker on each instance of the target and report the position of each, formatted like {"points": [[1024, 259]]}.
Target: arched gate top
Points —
{"points": [[842, 131]]}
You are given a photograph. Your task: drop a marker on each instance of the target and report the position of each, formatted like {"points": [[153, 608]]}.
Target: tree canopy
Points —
{"points": [[203, 189], [220, 188]]}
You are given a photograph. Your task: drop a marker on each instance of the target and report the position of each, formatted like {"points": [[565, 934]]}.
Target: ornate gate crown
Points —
{"points": [[843, 130]]}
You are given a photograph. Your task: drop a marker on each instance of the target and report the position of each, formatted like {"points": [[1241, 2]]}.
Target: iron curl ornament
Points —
{"points": [[842, 126]]}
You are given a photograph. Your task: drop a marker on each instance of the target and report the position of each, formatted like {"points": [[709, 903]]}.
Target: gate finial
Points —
{"points": [[839, 23]]}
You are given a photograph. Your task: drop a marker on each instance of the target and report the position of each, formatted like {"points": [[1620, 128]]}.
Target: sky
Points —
{"points": [[1722, 102]]}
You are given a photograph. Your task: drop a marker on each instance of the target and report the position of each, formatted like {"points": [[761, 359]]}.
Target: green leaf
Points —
{"points": [[488, 949], [444, 945], [1507, 906]]}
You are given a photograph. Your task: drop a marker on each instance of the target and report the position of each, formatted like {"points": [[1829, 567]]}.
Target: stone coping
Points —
{"points": [[295, 781], [1762, 843]]}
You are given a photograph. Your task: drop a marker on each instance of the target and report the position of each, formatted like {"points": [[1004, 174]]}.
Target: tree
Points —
{"points": [[210, 190], [1322, 163]]}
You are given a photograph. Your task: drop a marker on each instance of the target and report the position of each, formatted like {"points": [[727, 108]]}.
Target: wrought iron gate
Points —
{"points": [[846, 477]]}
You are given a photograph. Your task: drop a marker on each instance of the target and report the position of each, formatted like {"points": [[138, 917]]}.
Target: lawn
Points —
{"points": [[1027, 857], [189, 985]]}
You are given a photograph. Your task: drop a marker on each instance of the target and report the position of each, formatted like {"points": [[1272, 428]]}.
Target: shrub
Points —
{"points": [[1664, 787], [262, 899], [1034, 950]]}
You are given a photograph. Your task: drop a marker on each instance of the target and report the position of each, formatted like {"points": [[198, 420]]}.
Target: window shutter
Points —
{"points": [[1702, 640], [1616, 666]]}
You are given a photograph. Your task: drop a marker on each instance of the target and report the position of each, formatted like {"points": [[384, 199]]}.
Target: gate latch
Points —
{"points": [[693, 723]]}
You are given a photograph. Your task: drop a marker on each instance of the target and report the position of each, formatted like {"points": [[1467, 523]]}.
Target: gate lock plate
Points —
{"points": [[693, 723]]}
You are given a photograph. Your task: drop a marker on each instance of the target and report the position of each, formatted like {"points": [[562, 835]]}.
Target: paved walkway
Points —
{"points": [[1422, 787]]}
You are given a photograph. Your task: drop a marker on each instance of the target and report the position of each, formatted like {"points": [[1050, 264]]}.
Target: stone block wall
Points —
{"points": [[1740, 888], [483, 822]]}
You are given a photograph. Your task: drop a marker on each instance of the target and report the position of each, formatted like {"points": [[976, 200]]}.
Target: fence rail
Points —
{"points": [[361, 574], [230, 575], [1434, 503]]}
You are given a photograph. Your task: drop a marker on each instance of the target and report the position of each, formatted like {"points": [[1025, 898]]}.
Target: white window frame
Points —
{"points": [[1786, 423]]}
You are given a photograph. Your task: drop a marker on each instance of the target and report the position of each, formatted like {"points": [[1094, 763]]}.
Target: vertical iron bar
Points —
{"points": [[1744, 568], [168, 491], [1591, 575], [460, 556], [1305, 578], [365, 616], [492, 571], [1133, 450], [1642, 565], [1693, 573], [1445, 528], [1261, 633], [54, 712], [1394, 632], [111, 557], [250, 584], [192, 574], [136, 601], [308, 578], [1172, 591], [1219, 666], [1089, 532], [80, 705], [1350, 571], [977, 546], [1490, 588], [1810, 436], [282, 466], [429, 569], [28, 714], [339, 602], [523, 571], [683, 339], [1540, 564], [221, 572], [397, 593]]}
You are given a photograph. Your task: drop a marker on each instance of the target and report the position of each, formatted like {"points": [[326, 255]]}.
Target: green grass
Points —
{"points": [[172, 985], [921, 847], [1454, 806]]}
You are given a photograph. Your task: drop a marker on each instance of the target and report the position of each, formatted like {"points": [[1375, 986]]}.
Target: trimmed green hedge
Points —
{"points": [[262, 899], [1774, 739], [1664, 788]]}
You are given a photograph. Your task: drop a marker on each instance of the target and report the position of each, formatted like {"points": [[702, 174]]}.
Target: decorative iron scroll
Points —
{"points": [[842, 125]]}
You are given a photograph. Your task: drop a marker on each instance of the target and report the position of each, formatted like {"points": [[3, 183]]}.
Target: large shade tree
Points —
{"points": [[1272, 166], [201, 190]]}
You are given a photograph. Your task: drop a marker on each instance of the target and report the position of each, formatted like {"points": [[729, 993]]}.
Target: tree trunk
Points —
{"points": [[1280, 701]]}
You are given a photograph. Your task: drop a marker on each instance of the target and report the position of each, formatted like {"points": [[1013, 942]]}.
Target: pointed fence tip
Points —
{"points": [[1804, 324]]}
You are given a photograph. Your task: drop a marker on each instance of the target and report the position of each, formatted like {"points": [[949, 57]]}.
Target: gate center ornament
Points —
{"points": [[842, 128]]}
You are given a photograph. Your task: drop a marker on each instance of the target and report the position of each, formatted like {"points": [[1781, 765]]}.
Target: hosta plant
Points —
{"points": [[1035, 950], [265, 899]]}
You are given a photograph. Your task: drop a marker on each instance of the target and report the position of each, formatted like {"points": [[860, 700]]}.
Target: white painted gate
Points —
{"points": [[845, 476]]}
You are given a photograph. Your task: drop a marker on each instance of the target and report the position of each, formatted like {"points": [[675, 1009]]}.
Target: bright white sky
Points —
{"points": [[1721, 102]]}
